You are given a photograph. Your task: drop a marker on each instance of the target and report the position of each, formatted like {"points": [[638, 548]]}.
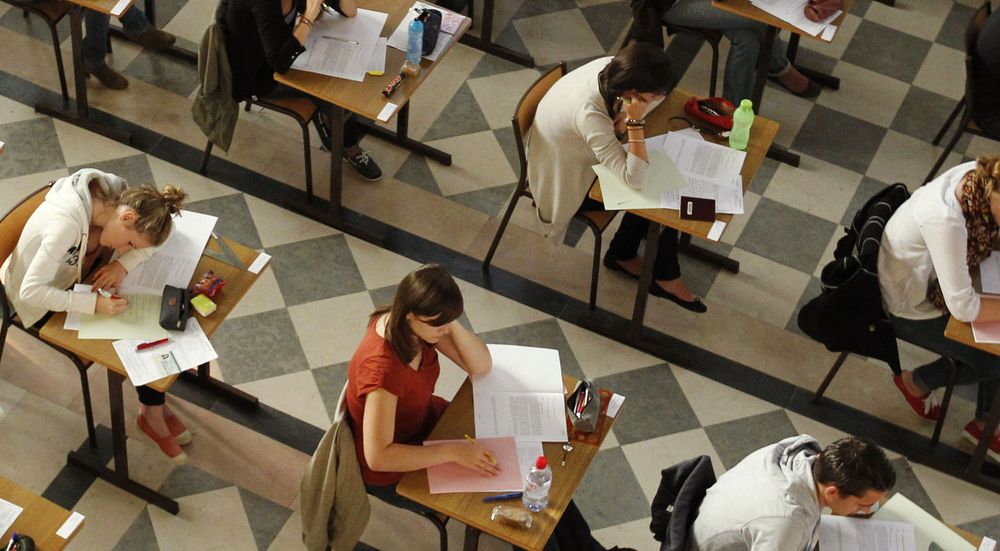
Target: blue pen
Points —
{"points": [[501, 497]]}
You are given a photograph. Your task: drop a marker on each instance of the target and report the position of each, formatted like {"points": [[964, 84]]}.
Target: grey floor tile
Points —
{"points": [[735, 440], [698, 274], [813, 60], [259, 346], [985, 527], [813, 290], [541, 7], [839, 138], [140, 536], [655, 404], [315, 269], [508, 37], [609, 493], [492, 65], [909, 485], [382, 296], [266, 517], [505, 137], [189, 480], [35, 27], [491, 200], [771, 218], [952, 32], [174, 75], [134, 168], [235, 221], [860, 7], [923, 113], [545, 334], [763, 176], [887, 51], [461, 116], [866, 189], [25, 139], [607, 21], [330, 381], [414, 171]]}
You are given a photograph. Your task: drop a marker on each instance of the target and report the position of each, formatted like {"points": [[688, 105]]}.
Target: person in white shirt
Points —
{"points": [[929, 245], [84, 217]]}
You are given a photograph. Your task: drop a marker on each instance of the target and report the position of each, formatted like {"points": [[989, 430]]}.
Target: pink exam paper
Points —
{"points": [[449, 478], [986, 331]]}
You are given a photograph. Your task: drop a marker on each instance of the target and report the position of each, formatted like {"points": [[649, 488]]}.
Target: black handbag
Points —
{"points": [[432, 28], [175, 308]]}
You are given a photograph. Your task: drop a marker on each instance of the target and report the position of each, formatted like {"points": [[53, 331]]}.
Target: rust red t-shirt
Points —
{"points": [[375, 365]]}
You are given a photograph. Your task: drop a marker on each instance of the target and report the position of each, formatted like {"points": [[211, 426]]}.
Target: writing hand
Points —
{"points": [[110, 306], [110, 276], [476, 457]]}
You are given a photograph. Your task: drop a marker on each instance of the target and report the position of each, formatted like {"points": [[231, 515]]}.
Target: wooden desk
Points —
{"points": [[469, 509], [366, 100], [81, 117], [101, 351], [762, 135], [962, 332], [40, 518], [744, 8]]}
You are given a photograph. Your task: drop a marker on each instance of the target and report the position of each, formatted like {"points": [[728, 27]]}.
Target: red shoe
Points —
{"points": [[926, 407], [974, 432], [167, 444], [177, 429]]}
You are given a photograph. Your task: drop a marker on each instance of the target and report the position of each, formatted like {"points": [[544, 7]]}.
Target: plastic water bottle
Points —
{"points": [[536, 486], [739, 136], [414, 47]]}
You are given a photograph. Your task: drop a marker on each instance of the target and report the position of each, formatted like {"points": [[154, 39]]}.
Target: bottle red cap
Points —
{"points": [[541, 462]]}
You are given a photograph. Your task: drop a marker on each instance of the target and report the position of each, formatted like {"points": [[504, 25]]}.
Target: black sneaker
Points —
{"points": [[365, 166]]}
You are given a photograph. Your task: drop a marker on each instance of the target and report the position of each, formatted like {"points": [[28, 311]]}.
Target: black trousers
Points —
{"points": [[631, 232]]}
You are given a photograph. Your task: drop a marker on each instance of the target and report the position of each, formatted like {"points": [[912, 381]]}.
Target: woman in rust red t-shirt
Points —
{"points": [[392, 374]]}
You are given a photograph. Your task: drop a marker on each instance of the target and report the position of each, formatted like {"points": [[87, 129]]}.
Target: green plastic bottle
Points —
{"points": [[739, 136]]}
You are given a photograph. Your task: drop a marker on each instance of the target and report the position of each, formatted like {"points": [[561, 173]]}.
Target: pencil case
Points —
{"points": [[584, 406], [175, 308]]}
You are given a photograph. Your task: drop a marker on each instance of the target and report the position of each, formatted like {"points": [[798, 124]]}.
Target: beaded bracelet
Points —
{"points": [[306, 20], [635, 122]]}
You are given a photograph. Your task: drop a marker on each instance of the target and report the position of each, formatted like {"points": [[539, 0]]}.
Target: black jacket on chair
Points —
{"points": [[675, 505], [848, 314]]}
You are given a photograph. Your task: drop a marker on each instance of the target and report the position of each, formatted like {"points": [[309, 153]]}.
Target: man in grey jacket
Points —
{"points": [[772, 500]]}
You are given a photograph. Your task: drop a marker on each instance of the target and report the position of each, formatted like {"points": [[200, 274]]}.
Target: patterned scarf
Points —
{"points": [[980, 226]]}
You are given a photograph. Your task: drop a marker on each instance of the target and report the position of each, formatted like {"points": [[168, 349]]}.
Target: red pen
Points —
{"points": [[151, 344]]}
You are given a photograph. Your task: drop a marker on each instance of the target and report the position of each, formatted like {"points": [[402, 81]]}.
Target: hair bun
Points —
{"points": [[173, 198]]}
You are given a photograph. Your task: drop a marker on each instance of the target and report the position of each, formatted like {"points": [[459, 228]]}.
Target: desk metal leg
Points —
{"points": [[81, 117], [203, 377], [485, 42], [975, 468], [471, 538], [119, 475], [694, 251], [401, 136], [782, 155]]}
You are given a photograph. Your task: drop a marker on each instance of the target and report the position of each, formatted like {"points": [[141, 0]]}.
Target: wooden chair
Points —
{"points": [[11, 226], [301, 110], [966, 105], [524, 115], [51, 12]]}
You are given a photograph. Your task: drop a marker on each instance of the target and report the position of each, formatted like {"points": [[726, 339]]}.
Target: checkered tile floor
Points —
{"points": [[901, 74]]}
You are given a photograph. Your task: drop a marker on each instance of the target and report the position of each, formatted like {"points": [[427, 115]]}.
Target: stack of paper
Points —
{"points": [[793, 11], [450, 23], [8, 514], [931, 534], [344, 47], [861, 534], [185, 350]]}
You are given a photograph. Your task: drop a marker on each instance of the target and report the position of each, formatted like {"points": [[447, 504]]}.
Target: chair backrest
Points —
{"points": [[13, 222], [524, 113], [971, 38]]}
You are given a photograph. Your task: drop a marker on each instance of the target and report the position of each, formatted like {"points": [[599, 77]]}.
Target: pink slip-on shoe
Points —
{"points": [[177, 429], [167, 444]]}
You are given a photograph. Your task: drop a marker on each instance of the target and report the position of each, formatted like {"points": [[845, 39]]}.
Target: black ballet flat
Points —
{"points": [[696, 305], [614, 266], [811, 91]]}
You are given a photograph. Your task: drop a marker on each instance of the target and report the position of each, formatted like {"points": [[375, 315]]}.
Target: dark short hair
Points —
{"points": [[427, 292], [855, 466], [641, 67]]}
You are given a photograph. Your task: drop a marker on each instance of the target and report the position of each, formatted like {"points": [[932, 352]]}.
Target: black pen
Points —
{"points": [[501, 497]]}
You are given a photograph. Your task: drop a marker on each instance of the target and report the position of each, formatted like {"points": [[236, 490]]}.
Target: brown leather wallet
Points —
{"points": [[697, 208]]}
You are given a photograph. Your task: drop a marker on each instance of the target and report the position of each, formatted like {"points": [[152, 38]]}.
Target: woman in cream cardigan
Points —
{"points": [[583, 120]]}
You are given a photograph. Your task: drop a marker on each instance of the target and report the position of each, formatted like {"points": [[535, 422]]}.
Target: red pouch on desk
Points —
{"points": [[716, 112], [818, 10]]}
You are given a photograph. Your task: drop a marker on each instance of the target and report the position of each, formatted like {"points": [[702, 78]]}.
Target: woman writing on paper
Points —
{"points": [[583, 120], [264, 37], [928, 247], [85, 217], [390, 402]]}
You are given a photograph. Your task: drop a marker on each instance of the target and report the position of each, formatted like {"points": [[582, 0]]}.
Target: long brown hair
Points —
{"points": [[427, 292]]}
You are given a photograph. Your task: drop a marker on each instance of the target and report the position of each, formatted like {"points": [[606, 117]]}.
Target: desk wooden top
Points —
{"points": [[762, 135], [365, 98], [100, 351], [745, 9], [40, 519], [104, 6], [469, 509], [962, 332]]}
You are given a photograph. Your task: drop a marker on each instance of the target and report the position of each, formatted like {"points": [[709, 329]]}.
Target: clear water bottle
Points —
{"points": [[739, 136], [414, 47], [536, 486]]}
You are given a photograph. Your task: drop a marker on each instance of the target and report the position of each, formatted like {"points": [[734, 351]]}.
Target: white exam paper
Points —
{"points": [[141, 320], [341, 46], [857, 534], [70, 526], [376, 65], [174, 261], [189, 348], [521, 396], [8, 514], [72, 322], [662, 176], [931, 534], [989, 274]]}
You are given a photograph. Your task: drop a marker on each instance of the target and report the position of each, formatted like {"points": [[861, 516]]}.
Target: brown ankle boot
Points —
{"points": [[155, 39], [109, 77]]}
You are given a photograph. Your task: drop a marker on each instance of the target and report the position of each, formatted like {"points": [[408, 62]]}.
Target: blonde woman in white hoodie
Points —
{"points": [[85, 217]]}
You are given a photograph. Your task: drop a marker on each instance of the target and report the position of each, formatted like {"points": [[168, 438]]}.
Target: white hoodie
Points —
{"points": [[767, 502], [48, 258]]}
